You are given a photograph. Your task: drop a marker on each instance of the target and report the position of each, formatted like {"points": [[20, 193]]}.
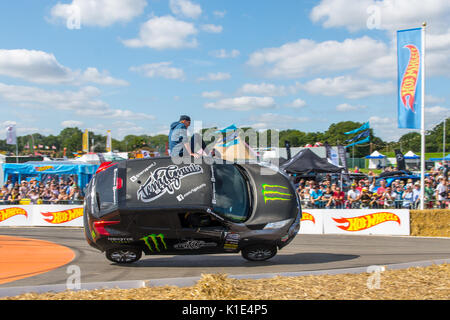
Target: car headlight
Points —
{"points": [[277, 225]]}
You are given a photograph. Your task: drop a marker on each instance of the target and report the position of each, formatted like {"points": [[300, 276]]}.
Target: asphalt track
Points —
{"points": [[305, 253]]}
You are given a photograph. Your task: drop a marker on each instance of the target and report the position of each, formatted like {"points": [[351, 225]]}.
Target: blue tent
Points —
{"points": [[446, 158], [43, 169]]}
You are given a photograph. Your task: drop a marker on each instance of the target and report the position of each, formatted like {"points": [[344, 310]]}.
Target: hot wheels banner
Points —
{"points": [[409, 52]]}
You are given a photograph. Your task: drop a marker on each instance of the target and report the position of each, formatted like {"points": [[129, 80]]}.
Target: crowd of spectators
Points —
{"points": [[368, 193], [53, 191]]}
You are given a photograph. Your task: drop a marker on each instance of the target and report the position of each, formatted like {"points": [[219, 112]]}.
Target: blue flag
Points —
{"points": [[409, 53], [365, 126], [359, 142], [359, 136]]}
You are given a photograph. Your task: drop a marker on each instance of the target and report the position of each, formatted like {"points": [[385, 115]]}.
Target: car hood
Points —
{"points": [[274, 196]]}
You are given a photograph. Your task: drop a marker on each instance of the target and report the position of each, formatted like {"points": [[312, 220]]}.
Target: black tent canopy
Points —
{"points": [[306, 161]]}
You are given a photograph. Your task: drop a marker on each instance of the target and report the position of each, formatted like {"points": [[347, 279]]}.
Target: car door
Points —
{"points": [[156, 230], [199, 232]]}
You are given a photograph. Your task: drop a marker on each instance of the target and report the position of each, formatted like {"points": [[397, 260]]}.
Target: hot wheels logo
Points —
{"points": [[308, 217], [366, 221], [409, 81], [62, 216], [11, 212]]}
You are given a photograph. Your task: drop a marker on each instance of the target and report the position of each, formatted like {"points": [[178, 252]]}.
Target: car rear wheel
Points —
{"points": [[124, 254], [259, 252]]}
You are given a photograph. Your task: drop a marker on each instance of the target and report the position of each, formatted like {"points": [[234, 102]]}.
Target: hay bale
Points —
{"points": [[430, 223]]}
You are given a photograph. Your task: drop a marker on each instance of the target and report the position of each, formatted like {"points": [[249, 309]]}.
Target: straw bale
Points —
{"points": [[430, 223], [428, 283]]}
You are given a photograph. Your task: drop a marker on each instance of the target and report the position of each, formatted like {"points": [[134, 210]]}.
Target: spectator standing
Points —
{"points": [[316, 196], [408, 200], [365, 198], [338, 198], [416, 194], [353, 197], [327, 198], [398, 198], [441, 193], [429, 195]]}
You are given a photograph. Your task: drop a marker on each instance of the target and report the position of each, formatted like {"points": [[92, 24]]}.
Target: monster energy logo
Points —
{"points": [[275, 192], [154, 242]]}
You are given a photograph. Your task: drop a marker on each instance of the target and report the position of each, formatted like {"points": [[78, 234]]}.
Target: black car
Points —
{"points": [[158, 207]]}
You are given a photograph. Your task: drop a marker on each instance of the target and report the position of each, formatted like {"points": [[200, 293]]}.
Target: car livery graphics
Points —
{"points": [[194, 245], [156, 241], [165, 179], [275, 193]]}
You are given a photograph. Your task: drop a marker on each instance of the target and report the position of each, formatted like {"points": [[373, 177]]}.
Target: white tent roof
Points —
{"points": [[411, 155], [376, 155]]}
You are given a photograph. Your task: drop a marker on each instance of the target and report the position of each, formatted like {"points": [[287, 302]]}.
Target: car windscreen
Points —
{"points": [[231, 197]]}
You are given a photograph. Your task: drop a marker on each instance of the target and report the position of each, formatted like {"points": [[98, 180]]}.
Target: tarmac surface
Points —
{"points": [[305, 253]]}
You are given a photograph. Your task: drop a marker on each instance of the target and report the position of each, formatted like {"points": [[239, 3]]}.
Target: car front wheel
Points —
{"points": [[259, 252]]}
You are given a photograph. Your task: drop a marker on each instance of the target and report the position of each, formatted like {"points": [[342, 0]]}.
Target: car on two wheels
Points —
{"points": [[157, 207]]}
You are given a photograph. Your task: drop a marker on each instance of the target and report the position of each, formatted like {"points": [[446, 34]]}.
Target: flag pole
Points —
{"points": [[422, 130]]}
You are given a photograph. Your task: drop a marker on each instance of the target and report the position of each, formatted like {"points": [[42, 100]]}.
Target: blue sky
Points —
{"points": [[134, 66]]}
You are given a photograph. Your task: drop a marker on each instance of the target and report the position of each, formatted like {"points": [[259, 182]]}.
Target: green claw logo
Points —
{"points": [[275, 192], [154, 238]]}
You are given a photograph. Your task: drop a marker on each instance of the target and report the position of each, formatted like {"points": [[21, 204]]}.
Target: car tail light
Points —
{"points": [[99, 226], [104, 166], [119, 183]]}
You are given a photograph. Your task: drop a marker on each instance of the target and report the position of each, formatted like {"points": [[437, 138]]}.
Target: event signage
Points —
{"points": [[15, 216], [409, 54], [58, 215], [367, 221]]}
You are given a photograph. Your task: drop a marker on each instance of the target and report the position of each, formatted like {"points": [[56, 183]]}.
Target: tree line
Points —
{"points": [[69, 140]]}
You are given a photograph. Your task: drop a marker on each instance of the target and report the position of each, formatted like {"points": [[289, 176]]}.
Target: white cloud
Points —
{"points": [[161, 69], [94, 76], [211, 28], [42, 67], [275, 121], [84, 102], [220, 14], [165, 33], [223, 54], [211, 94], [345, 107], [185, 8], [219, 76], [34, 66], [297, 103], [71, 124], [265, 89], [388, 15], [243, 103], [348, 86], [306, 57], [100, 13]]}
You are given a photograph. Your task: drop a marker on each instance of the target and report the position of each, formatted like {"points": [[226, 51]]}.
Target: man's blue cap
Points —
{"points": [[187, 118]]}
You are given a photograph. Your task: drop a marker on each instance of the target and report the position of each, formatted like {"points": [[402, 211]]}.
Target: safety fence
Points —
{"points": [[314, 221]]}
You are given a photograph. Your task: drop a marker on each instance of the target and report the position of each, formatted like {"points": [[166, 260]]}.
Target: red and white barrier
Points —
{"points": [[41, 215], [314, 221], [355, 221]]}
